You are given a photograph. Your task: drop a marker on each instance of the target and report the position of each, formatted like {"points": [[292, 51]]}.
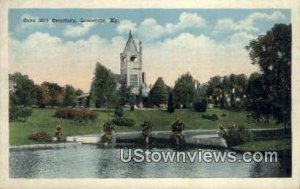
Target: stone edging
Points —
{"points": [[44, 146]]}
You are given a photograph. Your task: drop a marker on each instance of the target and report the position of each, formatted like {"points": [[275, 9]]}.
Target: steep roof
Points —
{"points": [[130, 45]]}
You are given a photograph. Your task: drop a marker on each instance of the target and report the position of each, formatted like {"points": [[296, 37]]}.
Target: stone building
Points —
{"points": [[131, 68], [131, 72]]}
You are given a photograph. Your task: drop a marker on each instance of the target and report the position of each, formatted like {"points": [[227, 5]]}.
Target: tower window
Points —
{"points": [[133, 80], [133, 58]]}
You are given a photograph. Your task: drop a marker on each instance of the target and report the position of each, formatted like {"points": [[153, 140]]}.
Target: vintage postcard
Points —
{"points": [[149, 93]]}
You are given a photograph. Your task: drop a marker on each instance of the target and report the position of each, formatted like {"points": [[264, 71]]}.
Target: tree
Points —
{"points": [[78, 92], [119, 111], [214, 83], [22, 90], [184, 90], [272, 53], [171, 104], [43, 96], [124, 94], [70, 96], [103, 88], [257, 98], [56, 93], [214, 89], [159, 93]]}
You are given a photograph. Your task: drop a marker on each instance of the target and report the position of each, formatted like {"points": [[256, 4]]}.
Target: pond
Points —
{"points": [[92, 161]]}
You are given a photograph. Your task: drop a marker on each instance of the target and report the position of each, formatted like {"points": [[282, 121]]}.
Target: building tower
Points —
{"points": [[131, 65]]}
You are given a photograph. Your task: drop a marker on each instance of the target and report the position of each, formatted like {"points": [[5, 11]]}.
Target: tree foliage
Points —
{"points": [[51, 94], [257, 97], [159, 93], [184, 90], [124, 94], [103, 88], [22, 90], [272, 53], [171, 103], [70, 95], [224, 91]]}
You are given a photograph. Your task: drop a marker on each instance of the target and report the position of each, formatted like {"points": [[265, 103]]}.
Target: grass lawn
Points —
{"points": [[42, 119], [267, 145]]}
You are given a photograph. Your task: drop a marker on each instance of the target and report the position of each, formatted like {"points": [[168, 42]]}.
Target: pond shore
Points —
{"points": [[266, 139], [45, 146]]}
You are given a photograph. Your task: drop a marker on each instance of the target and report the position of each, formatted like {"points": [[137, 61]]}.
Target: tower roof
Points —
{"points": [[130, 45]]}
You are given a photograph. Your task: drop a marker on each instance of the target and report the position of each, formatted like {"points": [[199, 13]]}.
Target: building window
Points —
{"points": [[133, 58], [133, 80]]}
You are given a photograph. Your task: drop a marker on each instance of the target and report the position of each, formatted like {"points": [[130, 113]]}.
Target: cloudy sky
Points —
{"points": [[203, 42]]}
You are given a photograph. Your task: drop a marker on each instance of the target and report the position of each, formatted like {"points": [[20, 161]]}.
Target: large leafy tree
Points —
{"points": [[43, 95], [103, 88], [158, 93], [23, 91], [272, 53], [219, 89], [257, 97], [184, 90], [70, 95], [78, 92], [56, 92]]}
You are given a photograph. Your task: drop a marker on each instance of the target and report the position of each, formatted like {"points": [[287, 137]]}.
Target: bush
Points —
{"points": [[178, 126], [177, 138], [120, 121], [108, 129], [146, 128], [40, 136], [17, 113], [223, 115], [200, 106], [80, 114], [212, 117], [235, 135], [59, 133], [119, 111]]}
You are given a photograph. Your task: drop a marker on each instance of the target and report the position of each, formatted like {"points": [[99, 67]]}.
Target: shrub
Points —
{"points": [[17, 113], [177, 138], [223, 115], [108, 129], [58, 133], [40, 136], [119, 111], [234, 135], [120, 121], [177, 127], [146, 128], [80, 114], [200, 106], [212, 117]]}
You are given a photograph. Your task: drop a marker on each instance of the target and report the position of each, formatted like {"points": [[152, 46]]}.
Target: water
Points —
{"points": [[91, 161]]}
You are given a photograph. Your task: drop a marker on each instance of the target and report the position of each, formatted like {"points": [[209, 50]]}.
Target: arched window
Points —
{"points": [[133, 58]]}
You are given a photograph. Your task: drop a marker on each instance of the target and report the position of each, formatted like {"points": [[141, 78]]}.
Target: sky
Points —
{"points": [[204, 42]]}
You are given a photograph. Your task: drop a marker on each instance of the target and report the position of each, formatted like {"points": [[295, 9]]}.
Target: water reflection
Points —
{"points": [[90, 161]]}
